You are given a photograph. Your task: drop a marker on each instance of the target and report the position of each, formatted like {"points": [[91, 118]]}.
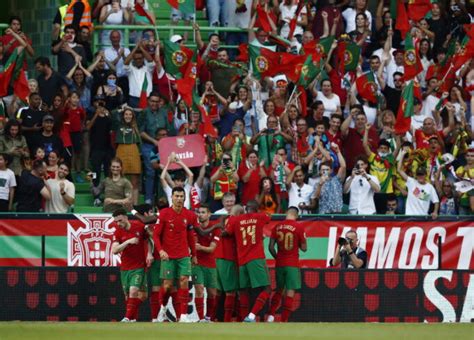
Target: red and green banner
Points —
{"points": [[185, 6], [417, 9], [185, 85], [348, 55], [177, 58], [392, 243], [309, 70], [18, 79], [366, 87], [411, 60], [402, 24], [263, 61], [405, 110], [7, 73], [143, 96]]}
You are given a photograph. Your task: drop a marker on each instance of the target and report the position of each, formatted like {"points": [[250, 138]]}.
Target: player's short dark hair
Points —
{"points": [[213, 35], [282, 148], [337, 116], [177, 189], [221, 49], [319, 122], [391, 197], [69, 27], [142, 208], [119, 212], [384, 142], [315, 105], [397, 74], [252, 206], [6, 157], [374, 56], [37, 164], [293, 209], [205, 206]]}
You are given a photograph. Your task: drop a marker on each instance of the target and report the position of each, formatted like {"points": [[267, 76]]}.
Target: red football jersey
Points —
{"points": [[134, 255], [248, 232], [172, 230], [208, 259], [226, 248], [288, 235]]}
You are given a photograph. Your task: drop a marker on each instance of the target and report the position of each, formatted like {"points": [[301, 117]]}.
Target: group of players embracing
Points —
{"points": [[225, 257]]}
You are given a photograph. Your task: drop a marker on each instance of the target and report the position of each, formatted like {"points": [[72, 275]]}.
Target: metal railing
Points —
{"points": [[127, 29]]}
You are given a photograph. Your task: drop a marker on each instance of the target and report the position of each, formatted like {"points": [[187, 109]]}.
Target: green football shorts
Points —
{"points": [[288, 278], [175, 268], [254, 274]]}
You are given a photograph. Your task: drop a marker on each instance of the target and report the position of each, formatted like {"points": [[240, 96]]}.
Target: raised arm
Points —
{"points": [[400, 170], [365, 140]]}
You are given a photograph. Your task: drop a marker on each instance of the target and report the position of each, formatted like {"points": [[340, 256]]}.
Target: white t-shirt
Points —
{"points": [[240, 20], [417, 121], [362, 196], [429, 105], [7, 181], [350, 17], [297, 195], [221, 212], [187, 194], [419, 197], [57, 204], [287, 13], [136, 77], [391, 68], [111, 54], [330, 105]]}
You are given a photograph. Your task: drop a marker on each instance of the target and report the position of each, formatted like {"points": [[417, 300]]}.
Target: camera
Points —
{"points": [[270, 131], [342, 241], [226, 163]]}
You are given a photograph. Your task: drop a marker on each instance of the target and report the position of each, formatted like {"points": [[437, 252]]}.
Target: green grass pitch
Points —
{"points": [[140, 331]]}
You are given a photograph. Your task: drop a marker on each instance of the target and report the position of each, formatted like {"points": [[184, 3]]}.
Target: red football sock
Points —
{"points": [[244, 305], [260, 302], [275, 303], [182, 297], [155, 304], [228, 307], [164, 296], [211, 308], [135, 315], [175, 302], [287, 305], [132, 305], [199, 307]]}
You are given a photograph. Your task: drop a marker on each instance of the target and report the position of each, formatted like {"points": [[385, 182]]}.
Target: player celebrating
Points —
{"points": [[205, 274], [174, 237], [253, 272], [129, 240], [289, 237]]}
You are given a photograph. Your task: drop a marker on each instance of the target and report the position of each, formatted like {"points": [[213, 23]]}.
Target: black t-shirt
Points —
{"points": [[30, 118], [28, 194], [66, 60], [99, 134], [48, 88], [48, 143], [392, 97], [99, 78]]}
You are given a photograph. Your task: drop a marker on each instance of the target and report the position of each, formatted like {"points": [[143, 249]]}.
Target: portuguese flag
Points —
{"points": [[323, 46], [143, 96], [402, 23], [263, 61], [348, 55], [417, 9], [177, 58], [262, 17], [366, 87], [7, 73], [184, 6], [18, 79], [308, 71], [405, 110], [466, 52], [411, 60], [185, 85]]}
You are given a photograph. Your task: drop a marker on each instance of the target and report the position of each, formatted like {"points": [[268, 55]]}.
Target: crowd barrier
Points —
{"points": [[400, 242], [327, 295]]}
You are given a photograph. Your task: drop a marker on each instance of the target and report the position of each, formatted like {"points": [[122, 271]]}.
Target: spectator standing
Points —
{"points": [[350, 14], [362, 186], [466, 173], [250, 172], [268, 200], [113, 14], [111, 92], [224, 178], [298, 191], [31, 118], [69, 53], [62, 192], [127, 139], [79, 80], [77, 116], [7, 184], [115, 55], [228, 201], [84, 39], [47, 139], [116, 188], [420, 193], [50, 82], [14, 38], [13, 144], [33, 188]]}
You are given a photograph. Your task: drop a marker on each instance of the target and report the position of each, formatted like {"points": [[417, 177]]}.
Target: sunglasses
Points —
{"points": [[299, 192]]}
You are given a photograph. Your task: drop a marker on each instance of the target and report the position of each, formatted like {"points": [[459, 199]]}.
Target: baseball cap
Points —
{"points": [[394, 53], [176, 38], [421, 171], [48, 117]]}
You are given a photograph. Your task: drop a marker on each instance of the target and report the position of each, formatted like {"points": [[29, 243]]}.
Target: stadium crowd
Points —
{"points": [[390, 134]]}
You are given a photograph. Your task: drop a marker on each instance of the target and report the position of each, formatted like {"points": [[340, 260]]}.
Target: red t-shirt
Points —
{"points": [[423, 140], [76, 118], [134, 255], [353, 146], [226, 248], [337, 138], [208, 259], [166, 86], [251, 188], [288, 235], [248, 232], [174, 232]]}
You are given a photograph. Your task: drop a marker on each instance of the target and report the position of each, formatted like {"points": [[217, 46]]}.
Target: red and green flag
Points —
{"points": [[294, 20], [263, 20], [177, 58], [411, 60], [18, 79], [366, 87], [184, 6], [405, 110], [185, 85], [263, 61], [290, 65], [309, 70], [402, 24], [142, 104], [466, 52], [208, 129], [417, 9], [141, 11], [323, 46], [348, 55], [7, 73]]}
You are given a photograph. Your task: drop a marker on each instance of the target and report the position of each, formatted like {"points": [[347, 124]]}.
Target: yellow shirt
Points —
{"points": [[465, 174], [384, 175]]}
